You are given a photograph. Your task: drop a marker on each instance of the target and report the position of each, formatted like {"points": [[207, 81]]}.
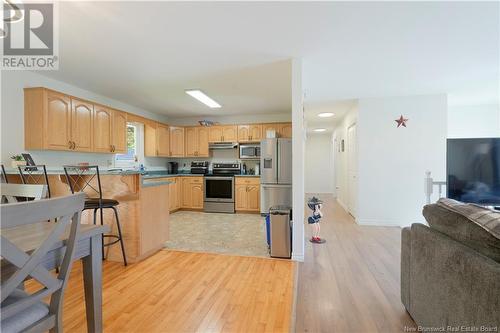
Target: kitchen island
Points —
{"points": [[143, 210]]}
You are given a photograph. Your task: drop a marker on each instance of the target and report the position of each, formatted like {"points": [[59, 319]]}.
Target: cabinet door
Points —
{"points": [[229, 133], [82, 125], [255, 132], [286, 130], [150, 139], [266, 127], [163, 140], [203, 142], [197, 196], [186, 193], [176, 141], [178, 197], [58, 122], [243, 133], [253, 197], [191, 141], [240, 197], [119, 141], [103, 120], [215, 134], [172, 194]]}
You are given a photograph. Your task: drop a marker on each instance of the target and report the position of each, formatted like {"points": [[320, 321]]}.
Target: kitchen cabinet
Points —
{"points": [[82, 125], [285, 130], [176, 141], [162, 140], [119, 137], [196, 141], [247, 194], [175, 194], [192, 192], [103, 129], [150, 141], [249, 133], [223, 133]]}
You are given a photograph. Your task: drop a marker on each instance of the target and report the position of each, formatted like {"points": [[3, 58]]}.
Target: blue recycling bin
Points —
{"points": [[268, 229]]}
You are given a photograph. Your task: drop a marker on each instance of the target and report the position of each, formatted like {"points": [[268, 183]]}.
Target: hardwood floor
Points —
{"points": [[350, 283], [189, 292]]}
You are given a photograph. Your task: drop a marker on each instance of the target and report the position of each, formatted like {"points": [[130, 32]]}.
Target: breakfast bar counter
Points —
{"points": [[143, 210]]}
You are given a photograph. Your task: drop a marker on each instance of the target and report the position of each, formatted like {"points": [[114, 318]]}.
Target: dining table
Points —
{"points": [[88, 249]]}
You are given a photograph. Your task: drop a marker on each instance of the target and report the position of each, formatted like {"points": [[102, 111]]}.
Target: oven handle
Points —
{"points": [[218, 178]]}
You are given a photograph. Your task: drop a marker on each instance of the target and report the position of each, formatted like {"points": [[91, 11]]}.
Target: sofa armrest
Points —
{"points": [[405, 266]]}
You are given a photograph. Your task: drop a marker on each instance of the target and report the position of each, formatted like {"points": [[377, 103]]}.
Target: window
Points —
{"points": [[135, 147]]}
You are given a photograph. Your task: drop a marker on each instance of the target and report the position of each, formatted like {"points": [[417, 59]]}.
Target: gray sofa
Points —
{"points": [[450, 270]]}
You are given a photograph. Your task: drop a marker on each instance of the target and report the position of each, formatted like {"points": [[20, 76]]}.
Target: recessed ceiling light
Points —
{"points": [[326, 114], [200, 95], [319, 130]]}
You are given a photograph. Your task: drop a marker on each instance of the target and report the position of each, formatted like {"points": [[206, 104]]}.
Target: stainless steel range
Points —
{"points": [[219, 188]]}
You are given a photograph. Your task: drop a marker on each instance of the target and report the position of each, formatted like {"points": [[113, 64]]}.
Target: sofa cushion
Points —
{"points": [[472, 225]]}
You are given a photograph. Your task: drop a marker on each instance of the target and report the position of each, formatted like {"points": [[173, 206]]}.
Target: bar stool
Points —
{"points": [[4, 175], [84, 179], [34, 174]]}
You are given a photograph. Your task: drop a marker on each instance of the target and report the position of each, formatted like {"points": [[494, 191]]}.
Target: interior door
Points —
{"points": [[352, 169]]}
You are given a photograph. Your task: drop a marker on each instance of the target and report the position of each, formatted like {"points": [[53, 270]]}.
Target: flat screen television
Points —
{"points": [[473, 170]]}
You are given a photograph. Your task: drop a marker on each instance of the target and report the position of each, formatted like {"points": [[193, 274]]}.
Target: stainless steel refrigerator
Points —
{"points": [[276, 173]]}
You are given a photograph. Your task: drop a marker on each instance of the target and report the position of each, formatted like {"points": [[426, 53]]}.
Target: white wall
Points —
{"points": [[235, 119], [12, 120], [319, 164], [474, 121], [392, 161], [340, 157], [298, 142]]}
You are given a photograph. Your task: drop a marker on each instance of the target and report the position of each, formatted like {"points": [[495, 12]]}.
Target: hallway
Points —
{"points": [[350, 283]]}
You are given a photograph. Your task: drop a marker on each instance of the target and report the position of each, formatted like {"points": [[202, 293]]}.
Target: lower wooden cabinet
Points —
{"points": [[247, 194], [192, 192], [174, 194]]}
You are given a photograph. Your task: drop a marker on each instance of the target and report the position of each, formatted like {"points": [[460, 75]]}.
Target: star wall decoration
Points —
{"points": [[401, 121]]}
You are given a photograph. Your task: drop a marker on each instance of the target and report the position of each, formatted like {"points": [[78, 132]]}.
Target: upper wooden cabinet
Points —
{"points": [[82, 130], [223, 133], [249, 133], [119, 138], [162, 140], [55, 129], [103, 129], [150, 141], [283, 130], [196, 141], [176, 141]]}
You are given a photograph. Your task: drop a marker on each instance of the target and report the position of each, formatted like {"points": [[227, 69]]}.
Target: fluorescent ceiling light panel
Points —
{"points": [[319, 130], [326, 114], [200, 95]]}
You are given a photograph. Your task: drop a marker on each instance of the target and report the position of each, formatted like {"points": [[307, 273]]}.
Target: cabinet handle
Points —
{"points": [[114, 148], [70, 145], [156, 151], [74, 145]]}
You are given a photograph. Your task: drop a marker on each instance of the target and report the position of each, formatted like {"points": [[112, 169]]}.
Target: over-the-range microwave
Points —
{"points": [[250, 151]]}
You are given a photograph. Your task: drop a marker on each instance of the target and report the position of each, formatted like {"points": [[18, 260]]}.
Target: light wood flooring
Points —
{"points": [[176, 291], [350, 283]]}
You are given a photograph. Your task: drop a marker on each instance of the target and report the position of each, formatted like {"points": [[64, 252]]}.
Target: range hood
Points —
{"points": [[223, 145]]}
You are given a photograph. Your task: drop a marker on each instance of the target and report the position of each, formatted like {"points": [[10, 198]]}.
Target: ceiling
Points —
{"points": [[338, 108], [147, 53]]}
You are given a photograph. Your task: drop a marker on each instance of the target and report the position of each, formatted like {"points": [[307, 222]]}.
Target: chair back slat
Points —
{"points": [[4, 175], [11, 191], [68, 211], [84, 178], [34, 174]]}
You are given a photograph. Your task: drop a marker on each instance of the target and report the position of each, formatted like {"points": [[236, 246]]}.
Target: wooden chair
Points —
{"points": [[34, 174], [21, 311], [87, 179], [10, 192], [4, 175]]}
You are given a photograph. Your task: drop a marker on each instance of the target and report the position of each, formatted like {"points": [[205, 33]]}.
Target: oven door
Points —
{"points": [[219, 189]]}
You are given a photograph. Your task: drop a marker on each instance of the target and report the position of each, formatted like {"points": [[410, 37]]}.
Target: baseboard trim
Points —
{"points": [[298, 257]]}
